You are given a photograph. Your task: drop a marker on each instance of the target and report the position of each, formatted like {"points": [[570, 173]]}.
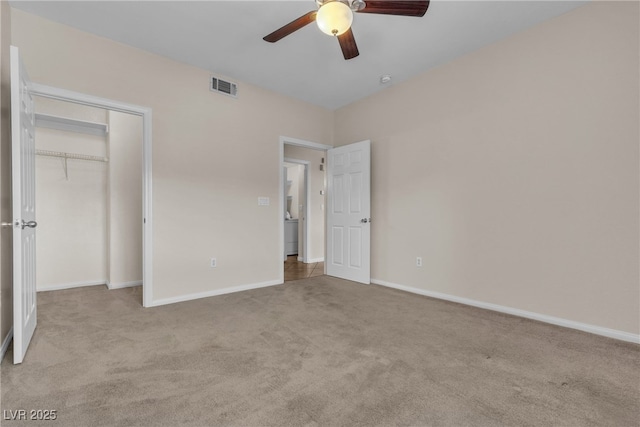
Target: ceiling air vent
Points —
{"points": [[223, 86]]}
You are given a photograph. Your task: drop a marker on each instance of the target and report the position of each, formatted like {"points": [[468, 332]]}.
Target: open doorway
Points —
{"points": [[300, 219], [303, 201], [146, 217], [88, 172], [296, 208]]}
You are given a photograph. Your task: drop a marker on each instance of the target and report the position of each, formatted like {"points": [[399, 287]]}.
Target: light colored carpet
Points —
{"points": [[319, 351]]}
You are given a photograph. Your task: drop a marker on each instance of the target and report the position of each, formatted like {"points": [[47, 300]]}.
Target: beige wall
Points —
{"points": [[124, 199], [513, 171], [202, 207], [316, 184], [71, 210], [6, 242]]}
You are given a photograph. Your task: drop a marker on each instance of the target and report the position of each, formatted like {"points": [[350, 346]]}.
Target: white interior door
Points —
{"points": [[24, 208], [349, 212]]}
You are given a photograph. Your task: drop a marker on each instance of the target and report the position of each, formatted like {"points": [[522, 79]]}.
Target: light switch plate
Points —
{"points": [[263, 201]]}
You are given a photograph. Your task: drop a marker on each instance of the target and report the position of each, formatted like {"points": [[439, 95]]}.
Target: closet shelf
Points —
{"points": [[72, 125]]}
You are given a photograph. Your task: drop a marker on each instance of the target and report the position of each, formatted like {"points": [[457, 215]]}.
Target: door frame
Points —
{"points": [[147, 187], [300, 143], [307, 208]]}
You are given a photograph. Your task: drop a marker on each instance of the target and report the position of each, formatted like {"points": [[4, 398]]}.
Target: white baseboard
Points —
{"points": [[5, 344], [311, 260], [59, 286], [585, 327], [120, 285], [214, 293]]}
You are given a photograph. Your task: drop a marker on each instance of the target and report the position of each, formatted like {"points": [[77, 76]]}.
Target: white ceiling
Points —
{"points": [[225, 37]]}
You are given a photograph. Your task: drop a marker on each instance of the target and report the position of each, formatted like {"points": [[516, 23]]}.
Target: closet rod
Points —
{"points": [[71, 156]]}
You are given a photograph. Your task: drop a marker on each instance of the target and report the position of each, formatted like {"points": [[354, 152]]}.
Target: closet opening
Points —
{"points": [[303, 197], [89, 197]]}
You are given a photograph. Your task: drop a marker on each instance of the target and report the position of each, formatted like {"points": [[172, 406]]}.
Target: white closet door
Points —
{"points": [[24, 208]]}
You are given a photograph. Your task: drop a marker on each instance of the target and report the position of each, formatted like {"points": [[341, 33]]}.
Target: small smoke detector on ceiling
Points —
{"points": [[384, 79], [224, 87]]}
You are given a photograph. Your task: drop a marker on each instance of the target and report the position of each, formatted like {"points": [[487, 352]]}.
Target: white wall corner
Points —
{"points": [[5, 344], [584, 327]]}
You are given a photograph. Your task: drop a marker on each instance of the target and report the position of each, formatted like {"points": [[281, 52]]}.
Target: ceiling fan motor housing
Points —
{"points": [[354, 5], [357, 5]]}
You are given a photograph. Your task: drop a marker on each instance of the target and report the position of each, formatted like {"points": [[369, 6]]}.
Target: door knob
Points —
{"points": [[30, 224]]}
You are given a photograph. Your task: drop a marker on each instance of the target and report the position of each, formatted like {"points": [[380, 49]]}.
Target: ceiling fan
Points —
{"points": [[334, 17]]}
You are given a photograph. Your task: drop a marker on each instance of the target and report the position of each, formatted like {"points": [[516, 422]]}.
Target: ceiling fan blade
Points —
{"points": [[348, 45], [404, 8], [292, 26]]}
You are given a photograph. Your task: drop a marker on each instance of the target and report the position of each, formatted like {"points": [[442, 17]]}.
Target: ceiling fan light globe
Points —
{"points": [[334, 18]]}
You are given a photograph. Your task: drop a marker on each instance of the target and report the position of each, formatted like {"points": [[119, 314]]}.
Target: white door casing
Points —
{"points": [[24, 209], [65, 95], [349, 212]]}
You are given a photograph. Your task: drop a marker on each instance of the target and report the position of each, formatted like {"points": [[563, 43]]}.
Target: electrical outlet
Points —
{"points": [[213, 263], [418, 261]]}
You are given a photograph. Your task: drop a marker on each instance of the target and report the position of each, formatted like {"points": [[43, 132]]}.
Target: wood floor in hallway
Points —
{"points": [[296, 270]]}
